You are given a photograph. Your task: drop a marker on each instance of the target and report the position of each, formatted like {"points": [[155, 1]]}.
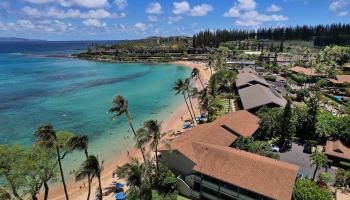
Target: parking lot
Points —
{"points": [[298, 157]]}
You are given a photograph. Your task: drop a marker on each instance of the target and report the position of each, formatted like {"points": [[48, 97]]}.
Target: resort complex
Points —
{"points": [[174, 100]]}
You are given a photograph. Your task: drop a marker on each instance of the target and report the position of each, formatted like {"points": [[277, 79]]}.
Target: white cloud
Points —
{"points": [[152, 18], [140, 26], [201, 10], [121, 4], [338, 6], [94, 23], [244, 11], [343, 13], [67, 3], [273, 8], [154, 8], [246, 4], [172, 19], [27, 26], [181, 7], [71, 13]]}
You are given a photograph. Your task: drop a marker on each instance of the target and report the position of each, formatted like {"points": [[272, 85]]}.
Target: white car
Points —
{"points": [[275, 148]]}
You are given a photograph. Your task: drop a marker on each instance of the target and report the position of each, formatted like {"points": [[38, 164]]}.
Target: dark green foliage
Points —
{"points": [[258, 147], [305, 189]]}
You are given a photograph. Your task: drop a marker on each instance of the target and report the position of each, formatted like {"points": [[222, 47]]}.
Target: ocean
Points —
{"points": [[75, 95]]}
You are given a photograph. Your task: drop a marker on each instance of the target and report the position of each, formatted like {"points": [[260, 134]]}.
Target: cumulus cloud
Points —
{"points": [[121, 4], [152, 18], [244, 11], [71, 13], [95, 23], [338, 6], [67, 3], [173, 19], [27, 26], [140, 26], [154, 8], [181, 7], [201, 10], [273, 8]]}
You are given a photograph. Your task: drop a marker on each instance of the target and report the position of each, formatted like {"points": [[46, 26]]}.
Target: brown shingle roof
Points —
{"points": [[258, 95], [266, 176], [241, 122], [305, 71], [341, 79], [249, 79], [337, 149]]}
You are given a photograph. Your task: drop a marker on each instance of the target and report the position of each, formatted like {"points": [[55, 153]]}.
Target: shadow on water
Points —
{"points": [[19, 98]]}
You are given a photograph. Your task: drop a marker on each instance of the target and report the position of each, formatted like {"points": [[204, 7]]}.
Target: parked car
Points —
{"points": [[275, 148]]}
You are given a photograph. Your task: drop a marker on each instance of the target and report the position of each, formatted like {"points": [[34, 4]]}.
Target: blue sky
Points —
{"points": [[130, 19]]}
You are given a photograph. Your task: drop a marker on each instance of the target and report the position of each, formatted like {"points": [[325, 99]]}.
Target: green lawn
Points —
{"points": [[155, 196]]}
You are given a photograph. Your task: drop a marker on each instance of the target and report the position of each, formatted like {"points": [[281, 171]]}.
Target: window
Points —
{"points": [[197, 186]]}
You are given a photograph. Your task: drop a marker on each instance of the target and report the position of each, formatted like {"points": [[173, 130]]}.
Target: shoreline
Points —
{"points": [[173, 122]]}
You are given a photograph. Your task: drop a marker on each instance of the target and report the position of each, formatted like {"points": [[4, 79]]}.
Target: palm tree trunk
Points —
{"points": [[189, 98], [100, 186], [15, 193], [200, 80], [313, 177], [188, 107], [46, 187], [142, 151], [229, 105], [34, 197], [157, 157], [61, 171], [89, 181]]}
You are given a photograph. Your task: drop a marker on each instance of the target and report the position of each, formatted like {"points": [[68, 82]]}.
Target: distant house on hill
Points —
{"points": [[208, 168], [340, 80], [310, 72]]}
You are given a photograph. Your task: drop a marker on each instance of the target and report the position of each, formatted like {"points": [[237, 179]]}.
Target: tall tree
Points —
{"points": [[188, 89], [46, 137], [91, 168], [287, 125], [81, 143], [180, 88], [196, 75], [121, 106], [151, 132], [319, 160]]}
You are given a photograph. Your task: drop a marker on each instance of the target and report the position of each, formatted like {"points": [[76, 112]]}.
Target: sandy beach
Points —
{"points": [[78, 190]]}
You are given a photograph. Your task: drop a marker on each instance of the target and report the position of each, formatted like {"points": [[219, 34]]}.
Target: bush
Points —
{"points": [[306, 189]]}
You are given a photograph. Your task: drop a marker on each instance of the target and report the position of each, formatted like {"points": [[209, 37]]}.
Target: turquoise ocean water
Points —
{"points": [[75, 94]]}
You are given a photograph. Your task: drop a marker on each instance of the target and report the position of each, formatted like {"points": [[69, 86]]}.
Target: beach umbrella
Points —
{"points": [[119, 185], [120, 196]]}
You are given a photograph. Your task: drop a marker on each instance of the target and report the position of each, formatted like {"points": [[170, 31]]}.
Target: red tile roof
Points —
{"points": [[337, 149], [266, 176], [241, 122], [341, 79], [305, 71]]}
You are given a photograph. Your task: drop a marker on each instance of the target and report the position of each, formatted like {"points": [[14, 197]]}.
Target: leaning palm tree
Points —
{"points": [[90, 169], [179, 87], [121, 106], [46, 137], [151, 132], [137, 177], [319, 160], [195, 74], [187, 89], [81, 143]]}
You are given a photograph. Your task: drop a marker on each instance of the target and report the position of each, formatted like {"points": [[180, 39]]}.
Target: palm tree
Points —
{"points": [[211, 61], [90, 168], [319, 160], [195, 74], [179, 87], [188, 88], [46, 136], [121, 107], [137, 177], [81, 143], [151, 132]]}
